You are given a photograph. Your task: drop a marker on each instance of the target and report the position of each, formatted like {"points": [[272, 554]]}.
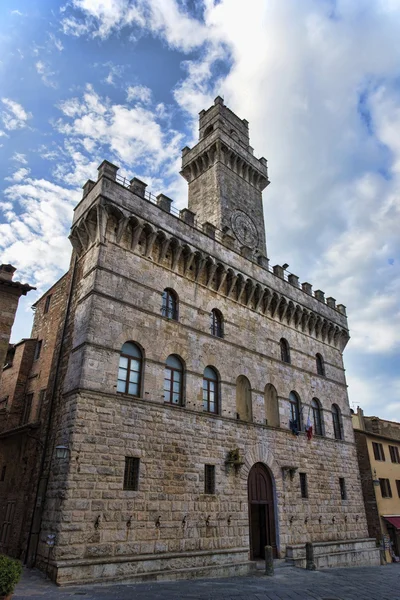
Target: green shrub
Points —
{"points": [[10, 572]]}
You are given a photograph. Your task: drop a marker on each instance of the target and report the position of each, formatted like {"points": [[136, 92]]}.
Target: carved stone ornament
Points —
{"points": [[244, 229]]}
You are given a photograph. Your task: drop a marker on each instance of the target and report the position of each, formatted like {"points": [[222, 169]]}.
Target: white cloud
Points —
{"points": [[19, 157], [45, 73], [14, 116], [140, 93], [56, 42], [131, 133], [19, 175]]}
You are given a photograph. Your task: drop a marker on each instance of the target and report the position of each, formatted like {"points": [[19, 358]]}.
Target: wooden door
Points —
{"points": [[261, 512]]}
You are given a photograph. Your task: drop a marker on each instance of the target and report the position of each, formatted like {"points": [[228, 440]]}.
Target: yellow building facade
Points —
{"points": [[378, 452]]}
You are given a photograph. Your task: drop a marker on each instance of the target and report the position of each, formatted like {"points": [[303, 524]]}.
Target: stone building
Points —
{"points": [[183, 374], [378, 452]]}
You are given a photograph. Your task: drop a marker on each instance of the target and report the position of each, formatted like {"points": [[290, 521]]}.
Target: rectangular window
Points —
{"points": [[7, 523], [27, 408], [394, 454], [378, 451], [3, 473], [385, 488], [343, 493], [209, 479], [398, 487], [38, 349], [42, 394], [303, 485], [131, 475], [47, 304]]}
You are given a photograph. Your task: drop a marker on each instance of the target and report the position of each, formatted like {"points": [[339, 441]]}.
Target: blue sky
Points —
{"points": [[318, 81]]}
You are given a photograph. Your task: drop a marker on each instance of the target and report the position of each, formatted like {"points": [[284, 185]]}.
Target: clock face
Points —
{"points": [[244, 229]]}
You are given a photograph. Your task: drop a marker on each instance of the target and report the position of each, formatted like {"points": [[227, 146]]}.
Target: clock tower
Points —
{"points": [[225, 178]]}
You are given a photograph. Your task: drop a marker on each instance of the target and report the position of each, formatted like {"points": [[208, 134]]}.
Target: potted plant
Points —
{"points": [[10, 572]]}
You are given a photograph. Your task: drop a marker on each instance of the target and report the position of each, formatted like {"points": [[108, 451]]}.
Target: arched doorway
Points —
{"points": [[261, 512]]}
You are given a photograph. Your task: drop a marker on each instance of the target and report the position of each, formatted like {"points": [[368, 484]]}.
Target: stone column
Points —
{"points": [[269, 561]]}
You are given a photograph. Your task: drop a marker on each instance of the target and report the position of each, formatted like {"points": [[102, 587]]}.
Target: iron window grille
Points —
{"points": [[386, 490], [209, 479], [303, 485], [379, 453], [131, 474], [169, 307], [343, 492], [394, 454]]}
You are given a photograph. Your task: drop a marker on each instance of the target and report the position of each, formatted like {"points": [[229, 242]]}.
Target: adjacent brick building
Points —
{"points": [[378, 452], [184, 373]]}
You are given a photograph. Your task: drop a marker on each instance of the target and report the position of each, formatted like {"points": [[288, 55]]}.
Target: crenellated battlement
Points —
{"points": [[201, 251]]}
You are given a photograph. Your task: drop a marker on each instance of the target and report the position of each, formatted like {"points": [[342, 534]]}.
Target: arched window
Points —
{"points": [[285, 350], [295, 412], [216, 323], [210, 390], [130, 369], [337, 425], [173, 380], [317, 416], [208, 130], [271, 406], [320, 364], [169, 304], [243, 399]]}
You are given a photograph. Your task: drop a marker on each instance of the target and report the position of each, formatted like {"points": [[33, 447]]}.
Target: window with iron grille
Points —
{"points": [[303, 485], [47, 304], [378, 451], [27, 409], [398, 487], [394, 454], [209, 479], [216, 323], [38, 349], [42, 395], [7, 523], [386, 490], [169, 304], [343, 492], [131, 474]]}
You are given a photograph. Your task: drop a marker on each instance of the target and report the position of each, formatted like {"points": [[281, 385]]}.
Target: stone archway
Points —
{"points": [[261, 511]]}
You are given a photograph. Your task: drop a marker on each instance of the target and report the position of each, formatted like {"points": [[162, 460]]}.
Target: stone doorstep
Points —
{"points": [[214, 571]]}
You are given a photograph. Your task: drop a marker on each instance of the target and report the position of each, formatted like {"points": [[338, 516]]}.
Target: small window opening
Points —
{"points": [[303, 485], [131, 474], [3, 473], [38, 349], [47, 304], [209, 479], [342, 484]]}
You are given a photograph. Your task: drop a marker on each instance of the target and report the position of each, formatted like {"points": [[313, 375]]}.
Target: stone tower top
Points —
{"points": [[225, 179]]}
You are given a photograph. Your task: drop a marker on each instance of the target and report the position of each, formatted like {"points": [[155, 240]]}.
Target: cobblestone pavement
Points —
{"points": [[288, 583]]}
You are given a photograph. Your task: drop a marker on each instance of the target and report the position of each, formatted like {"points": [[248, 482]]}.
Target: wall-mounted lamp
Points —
{"points": [[62, 452]]}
